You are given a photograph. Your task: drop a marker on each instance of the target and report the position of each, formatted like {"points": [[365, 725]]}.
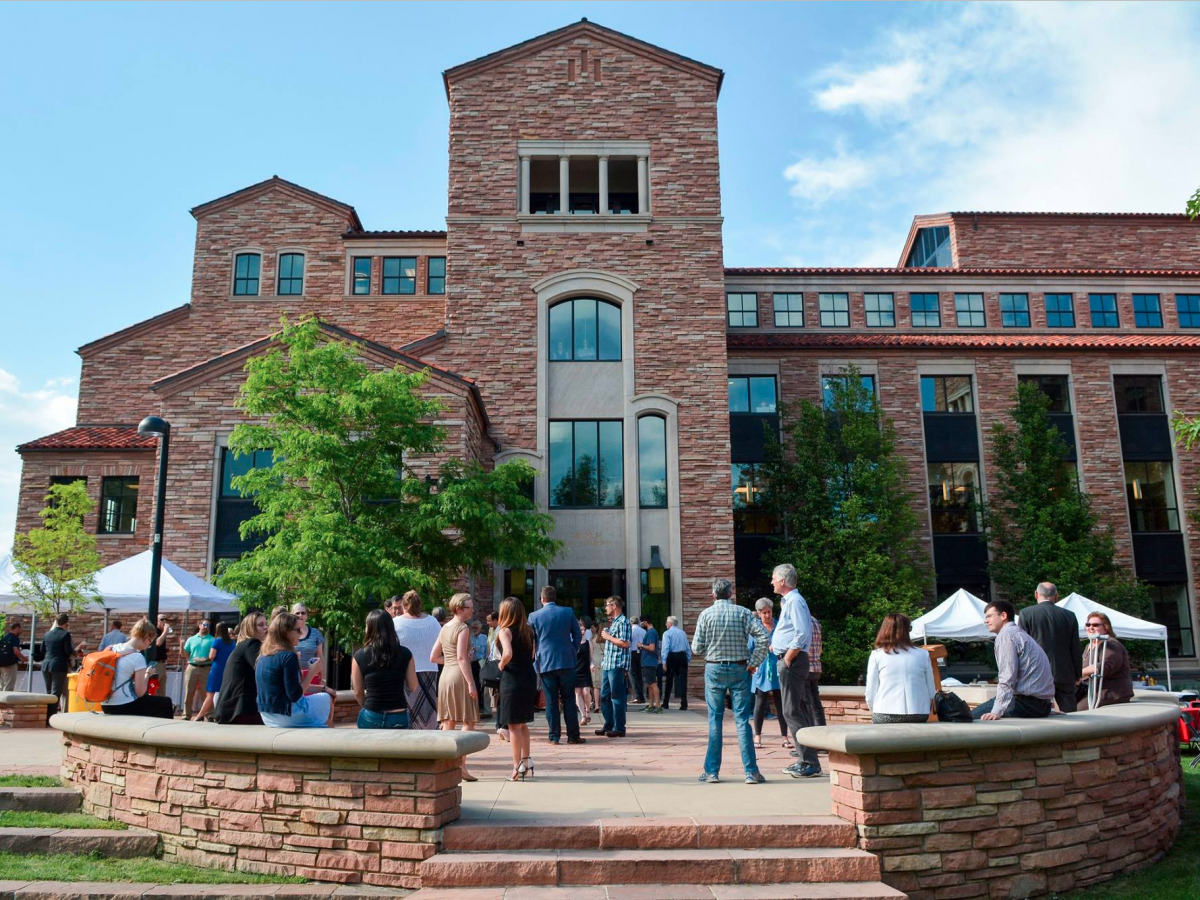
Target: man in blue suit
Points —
{"points": [[558, 639]]}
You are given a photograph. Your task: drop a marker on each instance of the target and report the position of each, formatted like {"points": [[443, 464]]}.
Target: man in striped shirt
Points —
{"points": [[722, 635]]}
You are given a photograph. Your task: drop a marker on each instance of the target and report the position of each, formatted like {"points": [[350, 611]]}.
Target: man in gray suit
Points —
{"points": [[1056, 631]]}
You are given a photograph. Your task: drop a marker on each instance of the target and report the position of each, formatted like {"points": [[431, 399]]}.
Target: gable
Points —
{"points": [[292, 191]]}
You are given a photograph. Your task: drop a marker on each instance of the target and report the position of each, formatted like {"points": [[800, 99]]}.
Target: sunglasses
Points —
{"points": [[1095, 624]]}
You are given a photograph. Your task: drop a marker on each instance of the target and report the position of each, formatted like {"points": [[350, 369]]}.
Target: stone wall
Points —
{"points": [[350, 820], [1013, 821]]}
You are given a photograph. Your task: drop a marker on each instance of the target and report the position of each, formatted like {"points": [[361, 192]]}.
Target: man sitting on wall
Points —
{"points": [[1025, 686]]}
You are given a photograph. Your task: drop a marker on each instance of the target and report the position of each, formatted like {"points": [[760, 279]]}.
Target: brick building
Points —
{"points": [[576, 313]]}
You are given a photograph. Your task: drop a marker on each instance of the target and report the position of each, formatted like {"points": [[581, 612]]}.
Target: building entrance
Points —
{"points": [[586, 590]]}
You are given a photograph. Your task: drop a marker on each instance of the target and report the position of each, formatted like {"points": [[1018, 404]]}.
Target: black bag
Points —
{"points": [[951, 707], [39, 651], [7, 656], [489, 673]]}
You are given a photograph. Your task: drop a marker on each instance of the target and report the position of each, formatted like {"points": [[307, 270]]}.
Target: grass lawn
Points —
{"points": [[91, 867], [19, 818], [38, 781], [1177, 875]]}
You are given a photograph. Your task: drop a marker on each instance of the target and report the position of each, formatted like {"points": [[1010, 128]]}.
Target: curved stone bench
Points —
{"points": [[328, 804], [1015, 807], [19, 709]]}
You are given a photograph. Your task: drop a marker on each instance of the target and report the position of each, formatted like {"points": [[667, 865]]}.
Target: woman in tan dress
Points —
{"points": [[457, 700]]}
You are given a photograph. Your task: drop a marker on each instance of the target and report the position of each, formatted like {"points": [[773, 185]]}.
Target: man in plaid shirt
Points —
{"points": [[618, 637], [814, 674], [721, 637]]}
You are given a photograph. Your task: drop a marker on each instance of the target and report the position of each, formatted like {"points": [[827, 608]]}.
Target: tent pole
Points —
{"points": [[1167, 657]]}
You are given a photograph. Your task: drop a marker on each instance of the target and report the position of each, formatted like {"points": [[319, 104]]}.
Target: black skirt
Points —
{"points": [[583, 665], [518, 694]]}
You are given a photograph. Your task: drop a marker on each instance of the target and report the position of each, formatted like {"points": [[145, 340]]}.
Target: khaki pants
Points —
{"points": [[8, 678], [195, 679]]}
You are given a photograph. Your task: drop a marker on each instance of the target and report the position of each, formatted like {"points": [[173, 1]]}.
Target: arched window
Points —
{"points": [[652, 462], [585, 329]]}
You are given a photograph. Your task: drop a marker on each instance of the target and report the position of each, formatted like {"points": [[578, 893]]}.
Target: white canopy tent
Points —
{"points": [[957, 618], [1126, 626]]}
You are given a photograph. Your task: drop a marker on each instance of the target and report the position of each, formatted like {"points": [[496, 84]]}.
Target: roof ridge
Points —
{"points": [[276, 180], [925, 272]]}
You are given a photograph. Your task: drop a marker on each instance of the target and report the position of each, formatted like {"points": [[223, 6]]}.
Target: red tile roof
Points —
{"points": [[367, 235], [93, 437], [908, 272], [963, 341]]}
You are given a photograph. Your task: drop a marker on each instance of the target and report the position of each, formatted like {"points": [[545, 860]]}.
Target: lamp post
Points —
{"points": [[153, 425]]}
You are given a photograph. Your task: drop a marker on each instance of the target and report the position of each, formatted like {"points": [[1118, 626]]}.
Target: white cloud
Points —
{"points": [[25, 415], [817, 179], [876, 91]]}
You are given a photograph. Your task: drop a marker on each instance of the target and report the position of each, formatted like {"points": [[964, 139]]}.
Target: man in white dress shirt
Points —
{"points": [[790, 643]]}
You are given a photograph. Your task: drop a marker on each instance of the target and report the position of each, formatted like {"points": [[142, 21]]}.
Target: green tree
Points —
{"points": [[850, 527], [351, 511], [56, 564]]}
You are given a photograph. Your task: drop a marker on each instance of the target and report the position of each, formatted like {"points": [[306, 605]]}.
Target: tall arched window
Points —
{"points": [[652, 462], [585, 329]]}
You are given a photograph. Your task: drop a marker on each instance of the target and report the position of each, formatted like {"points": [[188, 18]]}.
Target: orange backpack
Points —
{"points": [[95, 681]]}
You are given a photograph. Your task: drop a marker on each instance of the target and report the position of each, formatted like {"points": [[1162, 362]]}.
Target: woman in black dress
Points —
{"points": [[518, 683], [237, 702], [583, 671]]}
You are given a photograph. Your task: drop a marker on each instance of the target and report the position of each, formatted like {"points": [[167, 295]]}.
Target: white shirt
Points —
{"points": [[127, 667], [418, 636], [900, 683], [639, 637]]}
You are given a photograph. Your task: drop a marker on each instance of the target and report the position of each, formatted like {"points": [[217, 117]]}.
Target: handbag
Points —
{"points": [[489, 673], [951, 707]]}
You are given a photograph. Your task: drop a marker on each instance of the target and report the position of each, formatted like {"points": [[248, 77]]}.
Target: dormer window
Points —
{"points": [[931, 249], [584, 178], [245, 274]]}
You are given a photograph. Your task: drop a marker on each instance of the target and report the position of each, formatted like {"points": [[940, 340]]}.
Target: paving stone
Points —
{"points": [[41, 799]]}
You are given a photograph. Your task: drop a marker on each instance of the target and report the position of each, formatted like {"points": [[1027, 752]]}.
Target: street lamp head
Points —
{"points": [[154, 425]]}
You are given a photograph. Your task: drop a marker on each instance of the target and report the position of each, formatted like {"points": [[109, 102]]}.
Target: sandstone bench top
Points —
{"points": [[22, 698], [975, 693], [866, 740], [340, 742]]}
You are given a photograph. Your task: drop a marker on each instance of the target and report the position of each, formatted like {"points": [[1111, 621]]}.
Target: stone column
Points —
{"points": [[643, 185], [604, 185], [564, 184], [524, 185]]}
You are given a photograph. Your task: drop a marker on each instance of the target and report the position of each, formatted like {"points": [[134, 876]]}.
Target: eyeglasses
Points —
{"points": [[1095, 624], [303, 612]]}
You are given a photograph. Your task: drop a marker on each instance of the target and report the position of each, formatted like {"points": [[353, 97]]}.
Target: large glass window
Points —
{"points": [[835, 310], [586, 465], [752, 394], [789, 310], [931, 248], [245, 274], [1171, 608], [1138, 393], [362, 275], [954, 497], [64, 480], [742, 309], [1150, 488], [436, 277], [1188, 307], [232, 466], [399, 275], [749, 516], [969, 309], [946, 393], [1060, 311], [1104, 310], [291, 274], [1147, 311], [1014, 310], [118, 505], [880, 310], [585, 330], [652, 461], [828, 382], [925, 310], [1056, 387]]}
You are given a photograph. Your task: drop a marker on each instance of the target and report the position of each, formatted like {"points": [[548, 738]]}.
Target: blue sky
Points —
{"points": [[838, 123]]}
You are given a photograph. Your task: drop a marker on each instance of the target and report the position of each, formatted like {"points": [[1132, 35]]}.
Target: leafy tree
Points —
{"points": [[56, 564], [1192, 209], [849, 522], [347, 513]]}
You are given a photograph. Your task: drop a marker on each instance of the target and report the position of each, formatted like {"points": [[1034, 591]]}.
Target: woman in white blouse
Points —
{"points": [[899, 676]]}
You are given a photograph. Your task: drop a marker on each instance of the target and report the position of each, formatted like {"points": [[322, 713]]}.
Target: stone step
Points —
{"points": [[90, 890], [828, 890], [106, 842], [648, 833], [715, 865], [41, 799]]}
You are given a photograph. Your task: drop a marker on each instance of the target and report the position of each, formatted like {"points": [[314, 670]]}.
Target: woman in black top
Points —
{"points": [[518, 682], [237, 703], [379, 674]]}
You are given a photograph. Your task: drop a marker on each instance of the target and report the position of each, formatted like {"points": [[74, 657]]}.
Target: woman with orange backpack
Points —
{"points": [[129, 686]]}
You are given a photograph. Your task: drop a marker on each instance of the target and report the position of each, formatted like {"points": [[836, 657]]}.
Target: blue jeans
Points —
{"points": [[307, 712], [560, 683], [368, 719], [612, 699], [733, 679]]}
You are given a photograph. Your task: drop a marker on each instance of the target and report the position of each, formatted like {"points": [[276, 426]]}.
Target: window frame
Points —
{"points": [[968, 512], [833, 298], [729, 311], [642, 504], [878, 312], [575, 423], [748, 512], [1139, 512], [280, 278], [400, 279], [257, 279], [926, 312], [354, 275], [945, 396], [1118, 394], [1104, 313], [430, 277], [1058, 310], [748, 411], [1039, 380], [787, 311], [599, 301], [1142, 318], [1192, 312], [959, 311], [105, 518], [1014, 312]]}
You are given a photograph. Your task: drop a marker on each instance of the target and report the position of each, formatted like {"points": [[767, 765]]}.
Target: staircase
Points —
{"points": [[794, 857]]}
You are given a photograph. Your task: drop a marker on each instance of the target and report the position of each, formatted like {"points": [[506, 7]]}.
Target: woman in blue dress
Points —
{"points": [[765, 681], [219, 654]]}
